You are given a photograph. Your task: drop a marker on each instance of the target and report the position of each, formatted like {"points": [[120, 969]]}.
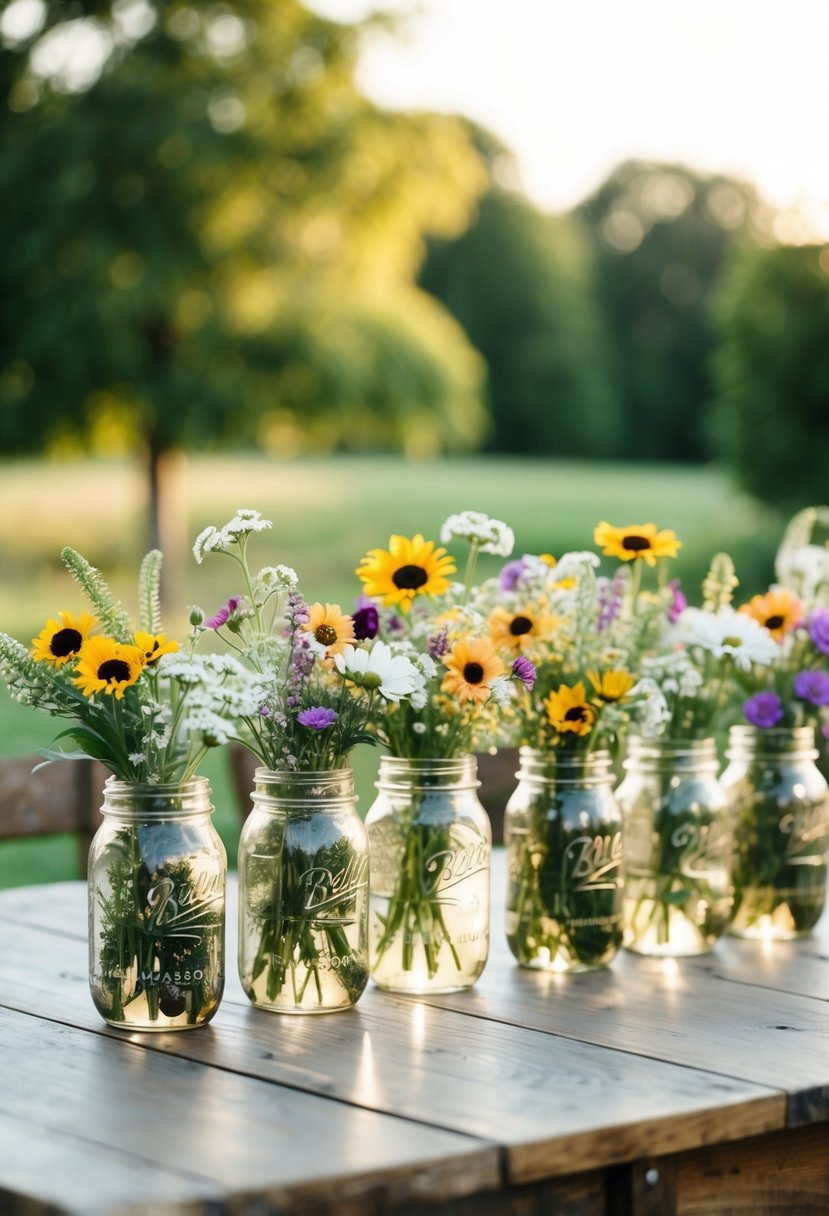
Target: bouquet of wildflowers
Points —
{"points": [[465, 677], [312, 685], [583, 634], [149, 712], [789, 686]]}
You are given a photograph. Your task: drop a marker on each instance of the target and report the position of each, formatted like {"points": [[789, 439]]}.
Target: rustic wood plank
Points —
{"points": [[778, 1175], [231, 1133], [55, 798], [557, 1106]]}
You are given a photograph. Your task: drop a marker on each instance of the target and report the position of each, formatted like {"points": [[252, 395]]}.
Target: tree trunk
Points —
{"points": [[168, 520]]}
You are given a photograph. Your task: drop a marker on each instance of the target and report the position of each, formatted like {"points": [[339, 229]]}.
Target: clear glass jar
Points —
{"points": [[303, 893], [780, 804], [431, 847], [157, 874], [563, 832], [677, 838]]}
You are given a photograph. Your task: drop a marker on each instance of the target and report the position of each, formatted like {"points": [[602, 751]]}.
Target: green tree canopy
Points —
{"points": [[520, 283], [660, 235], [201, 211], [772, 372]]}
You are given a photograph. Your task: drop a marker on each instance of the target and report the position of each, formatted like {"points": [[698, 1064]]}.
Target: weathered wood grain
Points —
{"points": [[55, 798], [230, 1134], [548, 1101]]}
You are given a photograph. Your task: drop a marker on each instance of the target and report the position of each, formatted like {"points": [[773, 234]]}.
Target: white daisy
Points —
{"points": [[378, 670], [727, 632]]}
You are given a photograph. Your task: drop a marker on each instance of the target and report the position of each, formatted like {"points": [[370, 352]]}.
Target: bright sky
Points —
{"points": [[739, 86]]}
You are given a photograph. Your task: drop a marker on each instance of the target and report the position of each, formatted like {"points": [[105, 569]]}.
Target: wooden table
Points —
{"points": [[649, 1088]]}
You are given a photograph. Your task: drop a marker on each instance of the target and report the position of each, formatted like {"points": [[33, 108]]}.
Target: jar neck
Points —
{"points": [[136, 801], [329, 788], [676, 755], [792, 743], [575, 768], [401, 773]]}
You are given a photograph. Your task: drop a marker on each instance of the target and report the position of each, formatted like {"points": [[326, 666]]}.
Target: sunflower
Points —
{"points": [[611, 686], [472, 664], [516, 631], [105, 665], [329, 627], [58, 642], [778, 610], [637, 541], [568, 710], [153, 646], [408, 568]]}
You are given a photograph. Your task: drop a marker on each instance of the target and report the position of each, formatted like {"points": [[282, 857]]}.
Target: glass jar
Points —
{"points": [[677, 838], [303, 893], [157, 872], [431, 846], [780, 804], [563, 833]]}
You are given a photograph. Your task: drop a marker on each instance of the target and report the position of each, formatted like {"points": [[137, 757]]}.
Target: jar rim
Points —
{"points": [[166, 800], [440, 772]]}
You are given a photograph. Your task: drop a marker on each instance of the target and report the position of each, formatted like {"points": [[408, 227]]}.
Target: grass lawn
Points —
{"points": [[326, 514]]}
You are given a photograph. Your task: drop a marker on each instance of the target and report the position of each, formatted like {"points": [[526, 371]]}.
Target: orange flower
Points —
{"points": [[778, 610], [472, 664]]}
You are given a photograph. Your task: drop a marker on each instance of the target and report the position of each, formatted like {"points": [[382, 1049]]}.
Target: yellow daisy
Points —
{"points": [[516, 631], [472, 664], [329, 627], [611, 686], [636, 542], [568, 710], [105, 665], [407, 569], [778, 610], [153, 646], [60, 641]]}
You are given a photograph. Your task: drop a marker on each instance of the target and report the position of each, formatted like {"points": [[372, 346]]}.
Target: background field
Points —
{"points": [[326, 514]]}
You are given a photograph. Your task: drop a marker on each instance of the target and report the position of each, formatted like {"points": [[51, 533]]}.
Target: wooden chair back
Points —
{"points": [[60, 797]]}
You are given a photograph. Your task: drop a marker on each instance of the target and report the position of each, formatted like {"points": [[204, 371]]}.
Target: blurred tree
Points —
{"points": [[520, 283], [772, 372], [660, 233], [201, 217]]}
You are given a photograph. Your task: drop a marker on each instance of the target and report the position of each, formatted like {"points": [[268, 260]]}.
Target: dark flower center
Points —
{"points": [[577, 714], [636, 543], [473, 673], [64, 642], [409, 578], [326, 635], [150, 655], [116, 670], [775, 622], [520, 625]]}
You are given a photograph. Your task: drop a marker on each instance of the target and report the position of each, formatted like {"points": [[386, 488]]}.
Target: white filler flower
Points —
{"points": [[490, 535]]}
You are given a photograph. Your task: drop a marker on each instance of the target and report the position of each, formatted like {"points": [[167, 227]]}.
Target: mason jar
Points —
{"points": [[303, 893], [563, 834], [431, 846], [157, 873], [780, 804], [677, 839]]}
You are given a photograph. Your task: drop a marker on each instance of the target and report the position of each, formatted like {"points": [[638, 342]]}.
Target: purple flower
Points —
{"points": [[366, 623], [224, 614], [818, 626], [524, 670], [317, 717], [763, 709], [511, 573], [438, 644], [610, 596], [680, 602], [812, 686]]}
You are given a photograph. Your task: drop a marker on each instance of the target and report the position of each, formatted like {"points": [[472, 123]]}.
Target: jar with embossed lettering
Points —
{"points": [[677, 839], [780, 805], [303, 893], [431, 844], [157, 871], [563, 833]]}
